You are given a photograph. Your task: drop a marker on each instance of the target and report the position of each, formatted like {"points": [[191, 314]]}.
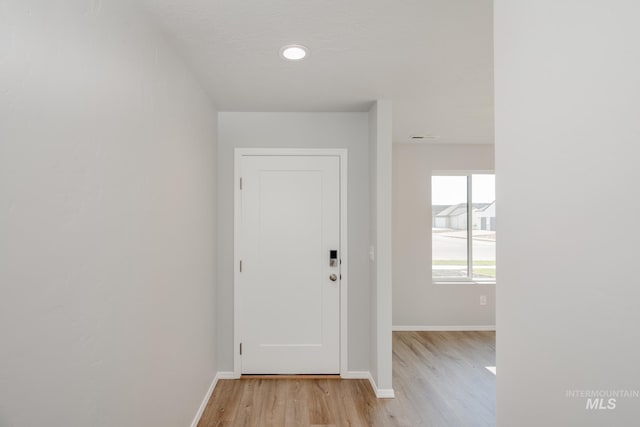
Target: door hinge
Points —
{"points": [[241, 183], [240, 266], [240, 349]]}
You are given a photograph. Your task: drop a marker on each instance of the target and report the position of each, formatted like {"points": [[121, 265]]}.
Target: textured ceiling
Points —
{"points": [[432, 58]]}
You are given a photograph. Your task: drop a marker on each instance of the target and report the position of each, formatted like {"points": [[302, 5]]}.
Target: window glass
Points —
{"points": [[463, 222], [449, 225], [484, 226]]}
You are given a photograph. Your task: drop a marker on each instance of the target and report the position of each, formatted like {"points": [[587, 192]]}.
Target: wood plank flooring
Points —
{"points": [[439, 378]]}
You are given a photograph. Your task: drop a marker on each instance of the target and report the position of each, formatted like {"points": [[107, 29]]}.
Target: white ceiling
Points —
{"points": [[432, 58]]}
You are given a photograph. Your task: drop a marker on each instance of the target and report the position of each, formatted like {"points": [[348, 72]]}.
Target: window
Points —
{"points": [[463, 211]]}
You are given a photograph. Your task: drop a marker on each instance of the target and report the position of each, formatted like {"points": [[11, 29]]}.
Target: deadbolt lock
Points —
{"points": [[333, 277], [333, 258]]}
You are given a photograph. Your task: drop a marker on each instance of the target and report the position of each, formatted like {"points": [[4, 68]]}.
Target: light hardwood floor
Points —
{"points": [[440, 380]]}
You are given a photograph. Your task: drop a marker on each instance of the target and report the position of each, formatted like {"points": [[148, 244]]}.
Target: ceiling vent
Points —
{"points": [[422, 138]]}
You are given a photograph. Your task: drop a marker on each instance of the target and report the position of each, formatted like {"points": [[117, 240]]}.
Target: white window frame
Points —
{"points": [[469, 279]]}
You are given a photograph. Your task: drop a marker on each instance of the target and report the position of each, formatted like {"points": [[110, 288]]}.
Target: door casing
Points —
{"points": [[341, 153]]}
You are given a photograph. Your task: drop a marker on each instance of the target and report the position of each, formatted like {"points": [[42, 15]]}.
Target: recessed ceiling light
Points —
{"points": [[294, 52]]}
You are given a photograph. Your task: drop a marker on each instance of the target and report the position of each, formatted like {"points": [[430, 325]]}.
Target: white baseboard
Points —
{"points": [[227, 375], [203, 405], [356, 375], [424, 328], [381, 393], [222, 375]]}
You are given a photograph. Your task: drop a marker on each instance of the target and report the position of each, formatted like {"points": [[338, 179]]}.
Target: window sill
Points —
{"points": [[464, 282]]}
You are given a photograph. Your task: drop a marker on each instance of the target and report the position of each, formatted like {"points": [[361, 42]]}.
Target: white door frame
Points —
{"points": [[341, 153]]}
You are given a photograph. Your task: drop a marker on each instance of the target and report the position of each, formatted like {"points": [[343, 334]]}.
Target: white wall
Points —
{"points": [[380, 161], [567, 132], [299, 130], [417, 302], [107, 210]]}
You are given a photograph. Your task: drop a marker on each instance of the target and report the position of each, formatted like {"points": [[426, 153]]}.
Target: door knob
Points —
{"points": [[333, 277]]}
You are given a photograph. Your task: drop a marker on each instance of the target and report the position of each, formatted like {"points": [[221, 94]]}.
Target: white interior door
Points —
{"points": [[288, 287]]}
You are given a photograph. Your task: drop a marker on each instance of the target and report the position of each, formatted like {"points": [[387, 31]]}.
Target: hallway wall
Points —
{"points": [[417, 302], [107, 213], [567, 132], [299, 130]]}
